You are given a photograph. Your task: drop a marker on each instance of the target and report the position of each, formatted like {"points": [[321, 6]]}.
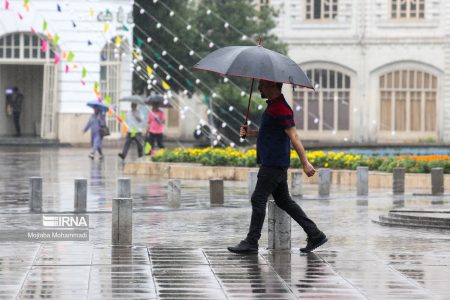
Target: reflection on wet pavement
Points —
{"points": [[181, 253]]}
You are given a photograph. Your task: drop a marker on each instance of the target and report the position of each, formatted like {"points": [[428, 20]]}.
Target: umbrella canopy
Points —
{"points": [[157, 100], [254, 62], [133, 99], [98, 104]]}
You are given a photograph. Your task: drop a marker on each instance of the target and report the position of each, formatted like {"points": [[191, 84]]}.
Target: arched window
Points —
{"points": [[110, 77], [408, 101], [321, 9], [327, 108], [407, 9], [24, 46]]}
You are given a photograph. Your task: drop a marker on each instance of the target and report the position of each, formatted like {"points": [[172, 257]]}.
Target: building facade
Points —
{"points": [[381, 68], [57, 54]]}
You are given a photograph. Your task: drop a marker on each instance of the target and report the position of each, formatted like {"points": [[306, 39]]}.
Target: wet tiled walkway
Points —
{"points": [[181, 253]]}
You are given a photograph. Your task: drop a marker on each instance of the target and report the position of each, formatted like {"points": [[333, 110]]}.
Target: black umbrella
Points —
{"points": [[158, 100], [254, 62]]}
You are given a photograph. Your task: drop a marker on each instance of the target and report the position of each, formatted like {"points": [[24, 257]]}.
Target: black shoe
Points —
{"points": [[244, 247], [314, 242], [121, 156]]}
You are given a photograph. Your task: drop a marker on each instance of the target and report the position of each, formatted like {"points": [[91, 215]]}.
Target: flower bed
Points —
{"points": [[320, 159]]}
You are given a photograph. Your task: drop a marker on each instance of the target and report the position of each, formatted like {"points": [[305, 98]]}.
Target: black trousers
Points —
{"points": [[16, 118], [274, 181], [139, 143], [156, 138]]}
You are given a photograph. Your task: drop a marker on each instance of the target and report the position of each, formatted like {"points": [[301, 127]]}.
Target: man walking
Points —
{"points": [[275, 135], [15, 105], [135, 122]]}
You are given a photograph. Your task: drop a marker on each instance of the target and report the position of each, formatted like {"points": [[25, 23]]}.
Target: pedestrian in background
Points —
{"points": [[14, 106], [135, 122], [156, 121], [96, 122]]}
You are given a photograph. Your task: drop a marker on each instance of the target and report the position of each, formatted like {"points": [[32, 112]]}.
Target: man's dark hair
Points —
{"points": [[15, 89], [279, 85]]}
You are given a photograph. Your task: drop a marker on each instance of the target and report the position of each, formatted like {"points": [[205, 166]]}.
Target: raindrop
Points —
{"points": [[225, 80], [224, 125], [142, 11], [188, 27], [134, 61], [171, 13], [241, 140], [185, 92], [208, 12], [175, 39], [260, 107], [334, 131], [198, 127], [316, 120], [219, 137], [215, 142], [244, 37], [226, 25], [316, 86], [154, 82], [242, 94], [149, 40], [298, 108], [154, 1], [180, 67], [138, 68], [214, 131], [249, 122], [191, 52], [164, 53], [168, 77], [232, 145], [230, 108], [165, 101], [214, 95], [198, 132], [155, 66], [158, 25], [208, 112], [149, 87], [211, 44]]}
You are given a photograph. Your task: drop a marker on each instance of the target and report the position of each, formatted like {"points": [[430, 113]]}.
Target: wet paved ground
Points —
{"points": [[181, 253]]}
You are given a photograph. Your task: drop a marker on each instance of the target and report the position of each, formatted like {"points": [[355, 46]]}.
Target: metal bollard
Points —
{"points": [[362, 186], [174, 193], [296, 183], [437, 181], [252, 179], [80, 195], [324, 181], [124, 188], [216, 194], [122, 221], [398, 181], [35, 194], [279, 228]]}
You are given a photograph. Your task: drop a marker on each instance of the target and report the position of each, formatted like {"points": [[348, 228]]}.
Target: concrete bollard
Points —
{"points": [[398, 181], [35, 194], [296, 183], [122, 221], [252, 179], [324, 181], [80, 195], [216, 194], [124, 188], [279, 228], [437, 181], [174, 193], [362, 182]]}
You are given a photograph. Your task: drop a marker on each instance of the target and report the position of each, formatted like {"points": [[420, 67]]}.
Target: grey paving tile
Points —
{"points": [[176, 256], [120, 255], [224, 257], [51, 254]]}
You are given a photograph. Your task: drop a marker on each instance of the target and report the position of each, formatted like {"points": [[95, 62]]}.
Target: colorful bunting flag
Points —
{"points": [[49, 36], [44, 46], [20, 16], [33, 30], [157, 55], [96, 87], [106, 27], [67, 69], [135, 54], [6, 4], [83, 82], [89, 43], [118, 41], [110, 112], [91, 12], [56, 39], [70, 57], [165, 85], [122, 116], [83, 72], [57, 59], [26, 5], [64, 55], [44, 26], [149, 71], [58, 7], [74, 25], [107, 100], [124, 129], [139, 42], [125, 28]]}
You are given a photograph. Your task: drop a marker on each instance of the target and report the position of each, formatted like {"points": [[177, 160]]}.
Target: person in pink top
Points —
{"points": [[156, 121]]}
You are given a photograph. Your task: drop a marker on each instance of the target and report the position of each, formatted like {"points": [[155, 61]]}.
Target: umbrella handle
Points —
{"points": [[248, 107]]}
